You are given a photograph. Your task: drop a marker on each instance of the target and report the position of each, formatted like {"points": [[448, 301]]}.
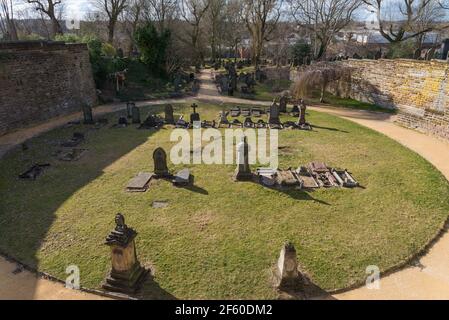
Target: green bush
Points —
{"points": [[403, 49], [299, 52], [153, 47]]}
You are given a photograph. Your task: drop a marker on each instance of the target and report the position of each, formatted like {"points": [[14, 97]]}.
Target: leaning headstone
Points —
{"points": [[169, 117], [160, 163], [126, 275], [273, 115], [243, 171], [182, 178], [287, 275], [136, 115], [87, 114]]}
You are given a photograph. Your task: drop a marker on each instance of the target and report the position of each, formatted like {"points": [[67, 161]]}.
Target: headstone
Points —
{"points": [[302, 123], [126, 275], [283, 104], [295, 111], [182, 178], [122, 121], [169, 117], [235, 112], [152, 121], [129, 109], [160, 163], [243, 171], [71, 155], [287, 274], [248, 123], [223, 118], [87, 114], [136, 115], [194, 117], [256, 112], [273, 116]]}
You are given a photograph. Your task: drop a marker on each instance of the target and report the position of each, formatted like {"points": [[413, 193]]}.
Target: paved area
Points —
{"points": [[429, 279]]}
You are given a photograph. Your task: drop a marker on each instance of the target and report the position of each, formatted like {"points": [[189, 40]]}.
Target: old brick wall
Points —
{"points": [[418, 89], [42, 80]]}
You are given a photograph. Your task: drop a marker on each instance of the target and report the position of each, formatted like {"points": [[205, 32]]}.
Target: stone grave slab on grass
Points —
{"points": [[69, 155], [140, 183]]}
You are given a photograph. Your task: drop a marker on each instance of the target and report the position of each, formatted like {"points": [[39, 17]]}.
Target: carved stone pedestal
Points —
{"points": [[126, 275]]}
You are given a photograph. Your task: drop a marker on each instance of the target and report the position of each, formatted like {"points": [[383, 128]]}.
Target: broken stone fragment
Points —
{"points": [[287, 275]]}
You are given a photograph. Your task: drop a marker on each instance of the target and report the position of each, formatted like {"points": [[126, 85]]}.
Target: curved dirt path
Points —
{"points": [[427, 279]]}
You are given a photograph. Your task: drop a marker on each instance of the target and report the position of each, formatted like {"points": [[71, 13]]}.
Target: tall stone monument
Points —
{"points": [[160, 163], [194, 117], [283, 101], [243, 171], [302, 114], [126, 275]]}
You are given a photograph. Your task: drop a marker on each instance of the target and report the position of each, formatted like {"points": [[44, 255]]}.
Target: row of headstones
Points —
{"points": [[127, 274]]}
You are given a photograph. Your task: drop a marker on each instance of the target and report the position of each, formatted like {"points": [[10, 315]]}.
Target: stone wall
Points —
{"points": [[42, 80], [418, 89]]}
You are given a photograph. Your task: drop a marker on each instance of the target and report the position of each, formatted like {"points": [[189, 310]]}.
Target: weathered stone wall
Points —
{"points": [[418, 89], [42, 80]]}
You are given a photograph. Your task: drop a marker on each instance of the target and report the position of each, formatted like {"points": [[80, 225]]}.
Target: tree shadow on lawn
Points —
{"points": [[67, 178], [328, 128]]}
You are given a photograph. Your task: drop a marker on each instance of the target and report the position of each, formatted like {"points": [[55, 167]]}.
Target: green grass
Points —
{"points": [[221, 239], [349, 103]]}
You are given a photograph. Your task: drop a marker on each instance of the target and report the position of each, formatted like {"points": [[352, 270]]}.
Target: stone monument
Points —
{"points": [[243, 171], [126, 275], [136, 115], [287, 275], [273, 116], [129, 109], [87, 114], [169, 117], [302, 115], [160, 163]]}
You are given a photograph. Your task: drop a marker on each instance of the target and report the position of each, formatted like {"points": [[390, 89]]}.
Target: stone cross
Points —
{"points": [[169, 118], [243, 171], [126, 275], [160, 163], [87, 113], [287, 274], [194, 117]]}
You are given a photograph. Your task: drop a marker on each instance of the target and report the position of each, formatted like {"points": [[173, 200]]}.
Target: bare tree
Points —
{"points": [[323, 19], [234, 25], [261, 17], [7, 23], [113, 9], [193, 12], [216, 15], [406, 19], [132, 16], [49, 8], [161, 12]]}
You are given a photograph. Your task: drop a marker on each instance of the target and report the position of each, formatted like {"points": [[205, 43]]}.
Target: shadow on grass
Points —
{"points": [[328, 128], [33, 225]]}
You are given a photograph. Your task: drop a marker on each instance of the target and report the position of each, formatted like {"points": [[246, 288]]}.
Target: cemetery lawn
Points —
{"points": [[220, 239]]}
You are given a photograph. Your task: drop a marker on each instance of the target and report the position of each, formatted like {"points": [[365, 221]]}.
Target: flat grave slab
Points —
{"points": [[140, 183]]}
